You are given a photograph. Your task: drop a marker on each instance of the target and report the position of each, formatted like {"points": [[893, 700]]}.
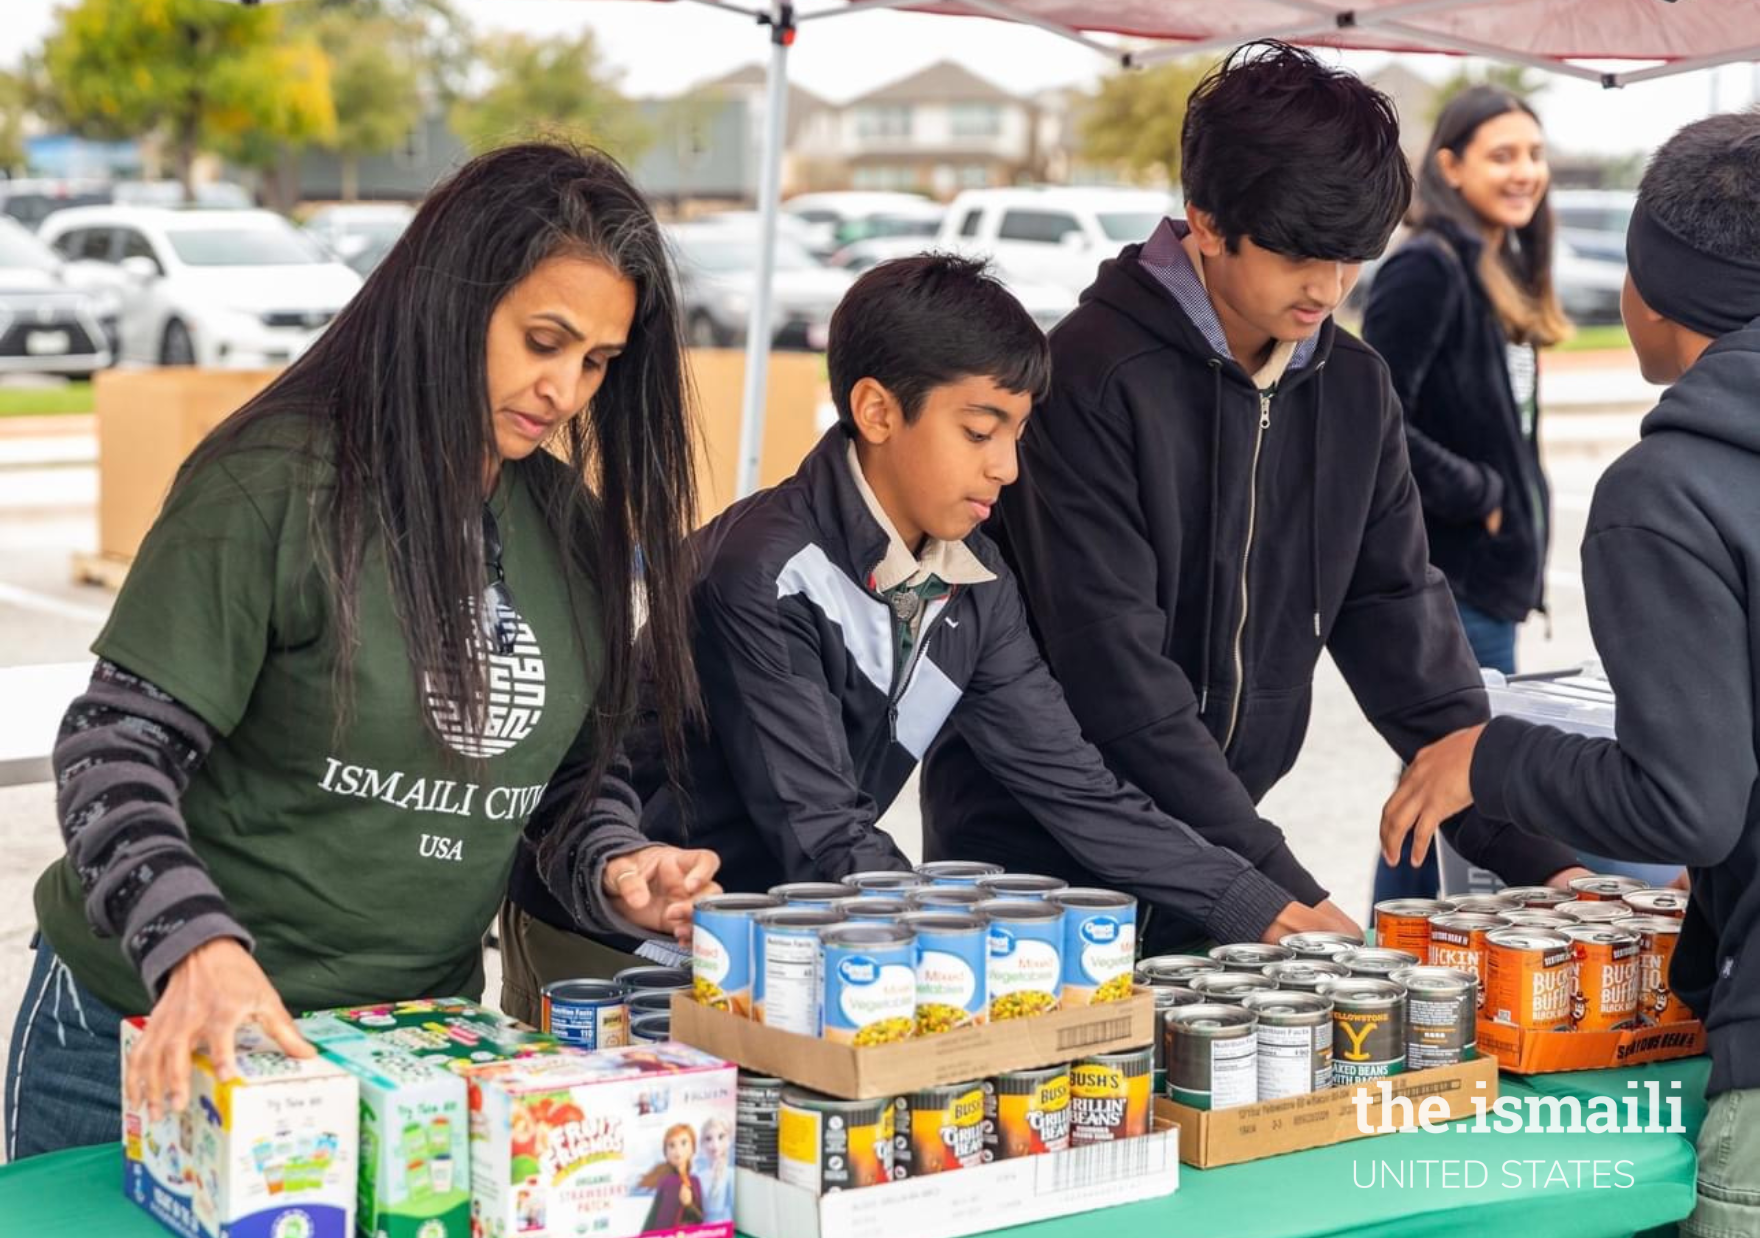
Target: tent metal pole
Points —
{"points": [[1686, 66], [751, 426]]}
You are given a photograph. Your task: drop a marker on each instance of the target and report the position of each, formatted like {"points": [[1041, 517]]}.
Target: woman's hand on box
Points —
{"points": [[656, 887], [215, 990]]}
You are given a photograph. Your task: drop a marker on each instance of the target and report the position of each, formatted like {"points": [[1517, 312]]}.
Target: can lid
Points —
{"points": [[636, 979], [603, 991], [798, 917], [1252, 951], [1306, 970], [1212, 1017], [1650, 924], [738, 902], [1019, 910], [1314, 940], [806, 1098], [1358, 989], [943, 896], [1087, 896], [1413, 906], [1433, 979], [868, 907], [958, 868], [942, 922], [1528, 939], [1467, 920], [884, 879], [1377, 956], [865, 933], [1021, 883], [813, 891], [1615, 934], [1286, 1002]]}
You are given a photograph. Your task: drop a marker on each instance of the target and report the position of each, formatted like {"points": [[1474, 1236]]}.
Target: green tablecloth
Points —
{"points": [[1305, 1195]]}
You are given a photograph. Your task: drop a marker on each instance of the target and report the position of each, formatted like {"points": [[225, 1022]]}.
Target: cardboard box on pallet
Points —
{"points": [[268, 1154], [968, 1201], [1524, 1052], [888, 1070], [1210, 1138]]}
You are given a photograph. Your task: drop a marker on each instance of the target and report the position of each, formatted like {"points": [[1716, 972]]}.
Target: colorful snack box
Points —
{"points": [[415, 1142], [619, 1143], [269, 1153], [456, 1033]]}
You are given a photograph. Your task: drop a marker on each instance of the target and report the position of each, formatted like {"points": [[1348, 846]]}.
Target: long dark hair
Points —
{"points": [[1518, 274], [395, 396]]}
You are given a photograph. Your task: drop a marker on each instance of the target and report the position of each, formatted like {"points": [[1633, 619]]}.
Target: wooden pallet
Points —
{"points": [[108, 571]]}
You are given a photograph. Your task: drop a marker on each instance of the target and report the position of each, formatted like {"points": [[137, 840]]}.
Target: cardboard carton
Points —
{"points": [[888, 1070], [1524, 1052], [451, 1031]]}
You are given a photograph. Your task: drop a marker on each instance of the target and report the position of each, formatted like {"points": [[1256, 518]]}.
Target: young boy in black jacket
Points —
{"points": [[1671, 557], [1216, 489], [848, 614]]}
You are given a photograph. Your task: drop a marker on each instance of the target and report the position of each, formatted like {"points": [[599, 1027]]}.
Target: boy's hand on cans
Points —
{"points": [[1298, 917], [1337, 921], [1561, 880], [656, 886], [214, 991], [1435, 787], [1683, 881]]}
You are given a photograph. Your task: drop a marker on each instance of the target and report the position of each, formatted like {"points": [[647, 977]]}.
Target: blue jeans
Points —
{"points": [[1494, 645], [64, 1074]]}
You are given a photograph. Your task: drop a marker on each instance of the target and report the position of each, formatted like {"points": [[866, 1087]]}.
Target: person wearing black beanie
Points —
{"points": [[1671, 569]]}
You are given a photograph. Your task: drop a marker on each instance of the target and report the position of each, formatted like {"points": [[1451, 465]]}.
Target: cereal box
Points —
{"points": [[619, 1143], [458, 1033], [269, 1154], [415, 1142]]}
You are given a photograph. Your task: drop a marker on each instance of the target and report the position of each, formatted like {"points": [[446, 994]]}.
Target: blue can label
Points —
{"points": [[870, 993], [1025, 968], [952, 980], [721, 960], [586, 1024], [1099, 950]]}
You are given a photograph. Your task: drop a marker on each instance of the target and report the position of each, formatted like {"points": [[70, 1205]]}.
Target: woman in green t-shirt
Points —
{"points": [[379, 631]]}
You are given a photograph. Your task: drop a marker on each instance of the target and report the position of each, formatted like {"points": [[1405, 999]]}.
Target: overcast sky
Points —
{"points": [[661, 49]]}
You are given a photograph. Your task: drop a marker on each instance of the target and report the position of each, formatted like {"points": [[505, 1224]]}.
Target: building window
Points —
{"points": [[976, 120], [974, 176], [884, 121], [884, 177]]}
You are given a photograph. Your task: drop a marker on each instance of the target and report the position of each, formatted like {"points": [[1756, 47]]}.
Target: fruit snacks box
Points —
{"points": [[414, 1145], [619, 1143], [459, 1034], [268, 1154]]}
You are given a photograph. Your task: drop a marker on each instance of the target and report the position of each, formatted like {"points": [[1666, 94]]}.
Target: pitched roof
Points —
{"points": [[942, 82]]}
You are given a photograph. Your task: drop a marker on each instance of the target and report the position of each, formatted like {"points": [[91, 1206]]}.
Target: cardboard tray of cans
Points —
{"points": [[888, 1070], [1001, 1194], [1524, 1051], [1209, 1138]]}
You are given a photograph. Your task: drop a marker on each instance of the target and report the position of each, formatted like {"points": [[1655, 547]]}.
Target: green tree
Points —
{"points": [[12, 109], [1518, 79], [203, 76], [549, 86], [1135, 119], [376, 86]]}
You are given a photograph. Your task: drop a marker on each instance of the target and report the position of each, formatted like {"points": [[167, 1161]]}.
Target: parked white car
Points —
{"points": [[353, 229], [718, 276], [835, 219], [1051, 234], [49, 325], [232, 289], [1047, 303]]}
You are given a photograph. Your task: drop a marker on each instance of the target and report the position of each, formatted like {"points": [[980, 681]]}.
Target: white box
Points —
{"points": [[967, 1201], [269, 1154]]}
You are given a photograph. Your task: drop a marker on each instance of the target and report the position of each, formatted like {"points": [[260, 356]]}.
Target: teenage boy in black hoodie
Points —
{"points": [[1671, 557], [1217, 488], [844, 616]]}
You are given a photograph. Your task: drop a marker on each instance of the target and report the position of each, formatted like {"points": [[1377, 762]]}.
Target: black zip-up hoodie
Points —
{"points": [[1670, 560], [815, 721], [1187, 546], [1432, 321]]}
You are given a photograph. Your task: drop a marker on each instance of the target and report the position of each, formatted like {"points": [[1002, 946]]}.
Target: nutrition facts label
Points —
{"points": [[1287, 1061], [791, 982], [1234, 1072]]}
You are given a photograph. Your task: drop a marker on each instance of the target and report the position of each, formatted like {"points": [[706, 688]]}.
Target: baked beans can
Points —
{"points": [[1176, 969], [1528, 979], [1024, 967], [588, 1014], [937, 1129], [885, 884], [1379, 962], [1212, 1053], [654, 1001], [953, 962], [1605, 974], [1404, 923], [788, 983], [1442, 1016], [1483, 904], [1099, 945], [1457, 940], [1167, 997], [653, 979], [1031, 886], [1670, 903], [1537, 898], [821, 894], [945, 898], [721, 950], [873, 907], [758, 1101], [1657, 938], [1320, 945], [1109, 1096], [1251, 957], [824, 1144], [1368, 1029], [1295, 1042], [1605, 889], [1594, 911], [870, 973], [1306, 975], [650, 1029], [1536, 918], [957, 872], [1228, 987], [1026, 1113]]}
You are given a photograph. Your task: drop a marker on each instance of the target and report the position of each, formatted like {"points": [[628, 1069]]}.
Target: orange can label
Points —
{"points": [[1404, 924], [1605, 974], [1458, 942], [1528, 980], [1657, 1003]]}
